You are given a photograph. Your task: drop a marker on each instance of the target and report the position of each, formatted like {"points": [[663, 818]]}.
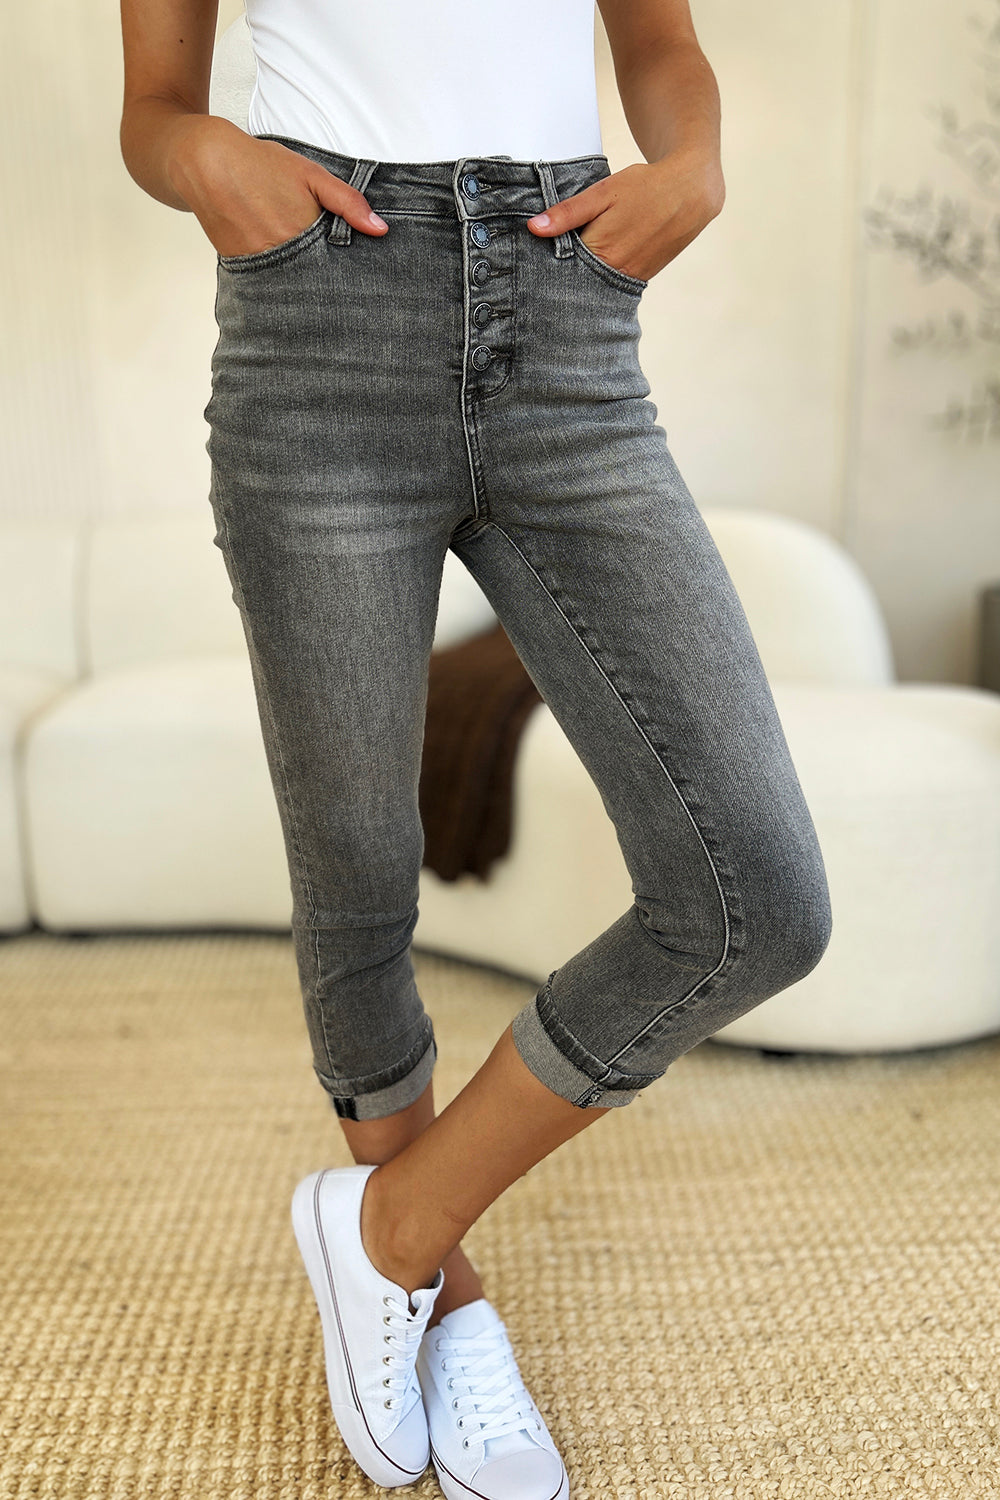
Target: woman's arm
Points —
{"points": [[668, 90], [168, 64], [645, 215], [247, 194]]}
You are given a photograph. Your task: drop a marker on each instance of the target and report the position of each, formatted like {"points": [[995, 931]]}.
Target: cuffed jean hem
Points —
{"points": [[552, 1067], [362, 1103]]}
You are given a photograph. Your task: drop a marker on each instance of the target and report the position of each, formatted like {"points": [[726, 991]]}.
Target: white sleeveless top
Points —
{"points": [[427, 80]]}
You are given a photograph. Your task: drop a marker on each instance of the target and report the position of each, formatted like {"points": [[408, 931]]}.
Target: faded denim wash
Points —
{"points": [[461, 383]]}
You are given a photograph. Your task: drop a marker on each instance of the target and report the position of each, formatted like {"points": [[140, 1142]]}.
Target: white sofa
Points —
{"points": [[134, 791], [39, 658]]}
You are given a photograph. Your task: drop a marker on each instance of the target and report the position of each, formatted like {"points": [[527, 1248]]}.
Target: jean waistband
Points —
{"points": [[473, 187]]}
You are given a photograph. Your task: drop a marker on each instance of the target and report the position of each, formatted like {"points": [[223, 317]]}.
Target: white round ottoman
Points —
{"points": [[903, 782]]}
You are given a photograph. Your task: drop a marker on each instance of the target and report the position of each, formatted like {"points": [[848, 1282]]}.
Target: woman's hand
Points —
{"points": [[250, 194], [640, 218]]}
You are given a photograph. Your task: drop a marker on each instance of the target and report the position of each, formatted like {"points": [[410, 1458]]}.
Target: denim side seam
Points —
{"points": [[601, 1072], [553, 1068], [660, 762], [286, 785], [285, 782]]}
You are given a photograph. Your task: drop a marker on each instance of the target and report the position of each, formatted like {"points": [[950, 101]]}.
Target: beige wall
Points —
{"points": [[768, 342]]}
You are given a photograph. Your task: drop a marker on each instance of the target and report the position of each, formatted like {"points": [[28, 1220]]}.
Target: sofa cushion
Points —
{"points": [[23, 692], [156, 587], [40, 567], [812, 612], [903, 784], [149, 804]]}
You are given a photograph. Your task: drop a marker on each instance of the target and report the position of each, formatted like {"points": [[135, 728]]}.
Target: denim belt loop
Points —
{"points": [[340, 230], [547, 182]]}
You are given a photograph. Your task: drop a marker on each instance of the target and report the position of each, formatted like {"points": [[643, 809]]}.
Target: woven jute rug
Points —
{"points": [[764, 1278]]}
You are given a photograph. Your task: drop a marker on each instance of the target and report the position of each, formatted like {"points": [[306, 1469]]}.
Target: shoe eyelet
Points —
{"points": [[451, 1383], [465, 1442], [454, 1407], [438, 1344], [387, 1402]]}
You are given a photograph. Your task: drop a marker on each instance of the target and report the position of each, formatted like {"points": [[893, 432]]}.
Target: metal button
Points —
{"points": [[481, 272], [481, 314], [481, 356], [480, 234], [470, 185]]}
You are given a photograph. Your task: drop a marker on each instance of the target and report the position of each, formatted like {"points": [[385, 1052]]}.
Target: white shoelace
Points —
{"points": [[404, 1331], [490, 1393]]}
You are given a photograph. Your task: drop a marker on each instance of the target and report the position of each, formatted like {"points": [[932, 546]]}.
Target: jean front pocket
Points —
{"points": [[274, 254], [607, 272]]}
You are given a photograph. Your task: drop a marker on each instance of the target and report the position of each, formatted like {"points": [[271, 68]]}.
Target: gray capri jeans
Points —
{"points": [[460, 383]]}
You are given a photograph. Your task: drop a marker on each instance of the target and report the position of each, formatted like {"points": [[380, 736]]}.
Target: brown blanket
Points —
{"points": [[479, 697]]}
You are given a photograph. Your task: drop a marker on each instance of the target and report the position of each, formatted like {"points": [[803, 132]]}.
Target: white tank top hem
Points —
{"points": [[401, 81]]}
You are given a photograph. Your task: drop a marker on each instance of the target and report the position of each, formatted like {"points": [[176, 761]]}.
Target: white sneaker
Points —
{"points": [[487, 1436], [370, 1336]]}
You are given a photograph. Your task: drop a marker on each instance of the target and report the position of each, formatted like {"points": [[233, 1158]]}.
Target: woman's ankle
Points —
{"points": [[389, 1240], [461, 1285]]}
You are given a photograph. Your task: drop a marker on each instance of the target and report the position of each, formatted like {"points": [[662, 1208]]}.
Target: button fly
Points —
{"points": [[488, 294]]}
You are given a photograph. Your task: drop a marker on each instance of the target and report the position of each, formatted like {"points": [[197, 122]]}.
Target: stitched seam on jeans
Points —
{"points": [[558, 1038], [284, 770], [622, 281], [562, 246], [385, 1077], [558, 1033], [468, 410], [351, 919], [667, 1009], [275, 254]]}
